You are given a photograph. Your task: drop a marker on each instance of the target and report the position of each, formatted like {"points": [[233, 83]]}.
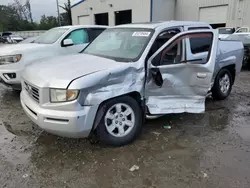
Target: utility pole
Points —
{"points": [[59, 20]]}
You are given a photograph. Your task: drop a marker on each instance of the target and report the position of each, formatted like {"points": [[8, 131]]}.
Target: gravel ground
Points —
{"points": [[206, 150]]}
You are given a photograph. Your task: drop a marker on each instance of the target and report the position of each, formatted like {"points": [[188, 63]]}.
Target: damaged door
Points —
{"points": [[176, 84]]}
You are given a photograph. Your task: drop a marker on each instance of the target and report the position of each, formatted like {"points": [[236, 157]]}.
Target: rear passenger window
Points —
{"points": [[201, 44]]}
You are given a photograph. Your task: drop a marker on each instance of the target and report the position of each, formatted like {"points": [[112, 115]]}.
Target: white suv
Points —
{"points": [[55, 42]]}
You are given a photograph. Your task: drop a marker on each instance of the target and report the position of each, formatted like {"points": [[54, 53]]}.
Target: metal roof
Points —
{"points": [[153, 25]]}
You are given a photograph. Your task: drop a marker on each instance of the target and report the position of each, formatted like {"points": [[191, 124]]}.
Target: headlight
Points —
{"points": [[63, 95], [10, 59]]}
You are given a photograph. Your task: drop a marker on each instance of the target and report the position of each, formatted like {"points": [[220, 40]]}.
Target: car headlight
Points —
{"points": [[10, 59], [63, 95]]}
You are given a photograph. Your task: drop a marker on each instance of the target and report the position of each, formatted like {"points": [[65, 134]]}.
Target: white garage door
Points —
{"points": [[213, 15], [84, 20]]}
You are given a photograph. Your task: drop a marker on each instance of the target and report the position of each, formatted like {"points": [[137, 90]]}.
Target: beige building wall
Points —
{"points": [[163, 10], [238, 11], [86, 10]]}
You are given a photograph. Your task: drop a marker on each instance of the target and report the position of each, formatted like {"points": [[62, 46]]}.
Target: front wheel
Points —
{"points": [[222, 85], [121, 122]]}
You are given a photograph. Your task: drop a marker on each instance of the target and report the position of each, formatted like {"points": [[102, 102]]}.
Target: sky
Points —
{"points": [[40, 7]]}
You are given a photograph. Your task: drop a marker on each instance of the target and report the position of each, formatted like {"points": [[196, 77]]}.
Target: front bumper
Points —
{"points": [[14, 86], [8, 81], [74, 124]]}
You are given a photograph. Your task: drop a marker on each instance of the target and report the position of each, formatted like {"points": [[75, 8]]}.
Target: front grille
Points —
{"points": [[32, 91]]}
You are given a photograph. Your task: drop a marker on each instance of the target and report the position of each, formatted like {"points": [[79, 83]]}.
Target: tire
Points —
{"points": [[217, 90], [114, 136]]}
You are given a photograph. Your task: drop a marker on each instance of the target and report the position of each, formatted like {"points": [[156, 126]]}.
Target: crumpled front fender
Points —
{"points": [[111, 83]]}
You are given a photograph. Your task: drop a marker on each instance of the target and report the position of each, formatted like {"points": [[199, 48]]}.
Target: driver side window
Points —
{"points": [[162, 39], [175, 52], [172, 54], [79, 36]]}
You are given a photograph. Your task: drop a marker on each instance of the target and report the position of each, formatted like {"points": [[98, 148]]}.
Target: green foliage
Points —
{"points": [[48, 22], [67, 16], [7, 15], [18, 17]]}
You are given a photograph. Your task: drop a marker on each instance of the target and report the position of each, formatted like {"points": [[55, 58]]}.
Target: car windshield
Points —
{"points": [[226, 31], [120, 44], [50, 36], [244, 38], [28, 40]]}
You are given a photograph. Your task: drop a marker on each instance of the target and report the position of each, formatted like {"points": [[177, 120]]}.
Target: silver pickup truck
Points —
{"points": [[126, 73]]}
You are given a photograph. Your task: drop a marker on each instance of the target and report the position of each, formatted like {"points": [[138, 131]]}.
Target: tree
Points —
{"points": [[13, 20], [64, 18], [28, 9], [67, 18], [23, 11], [18, 17], [48, 22], [9, 18]]}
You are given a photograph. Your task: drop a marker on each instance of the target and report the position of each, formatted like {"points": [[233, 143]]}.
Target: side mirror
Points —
{"points": [[67, 42], [157, 77]]}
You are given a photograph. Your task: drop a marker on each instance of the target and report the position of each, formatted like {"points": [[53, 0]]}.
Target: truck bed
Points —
{"points": [[229, 53]]}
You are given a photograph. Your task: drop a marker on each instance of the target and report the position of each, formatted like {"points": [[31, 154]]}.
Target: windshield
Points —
{"points": [[244, 38], [120, 44], [28, 40], [226, 31], [50, 36]]}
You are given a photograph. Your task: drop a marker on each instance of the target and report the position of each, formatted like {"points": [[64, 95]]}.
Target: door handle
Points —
{"points": [[201, 75]]}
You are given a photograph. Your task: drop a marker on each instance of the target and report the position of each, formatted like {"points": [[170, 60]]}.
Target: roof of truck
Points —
{"points": [[153, 25], [243, 33]]}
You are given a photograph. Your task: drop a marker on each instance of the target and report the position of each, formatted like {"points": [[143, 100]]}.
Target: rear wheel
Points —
{"points": [[222, 85], [121, 122]]}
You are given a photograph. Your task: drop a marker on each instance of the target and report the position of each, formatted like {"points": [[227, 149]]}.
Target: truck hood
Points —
{"points": [[58, 72], [20, 48]]}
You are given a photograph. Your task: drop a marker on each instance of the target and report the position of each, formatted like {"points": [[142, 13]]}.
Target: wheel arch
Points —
{"points": [[216, 91], [135, 95], [231, 68]]}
